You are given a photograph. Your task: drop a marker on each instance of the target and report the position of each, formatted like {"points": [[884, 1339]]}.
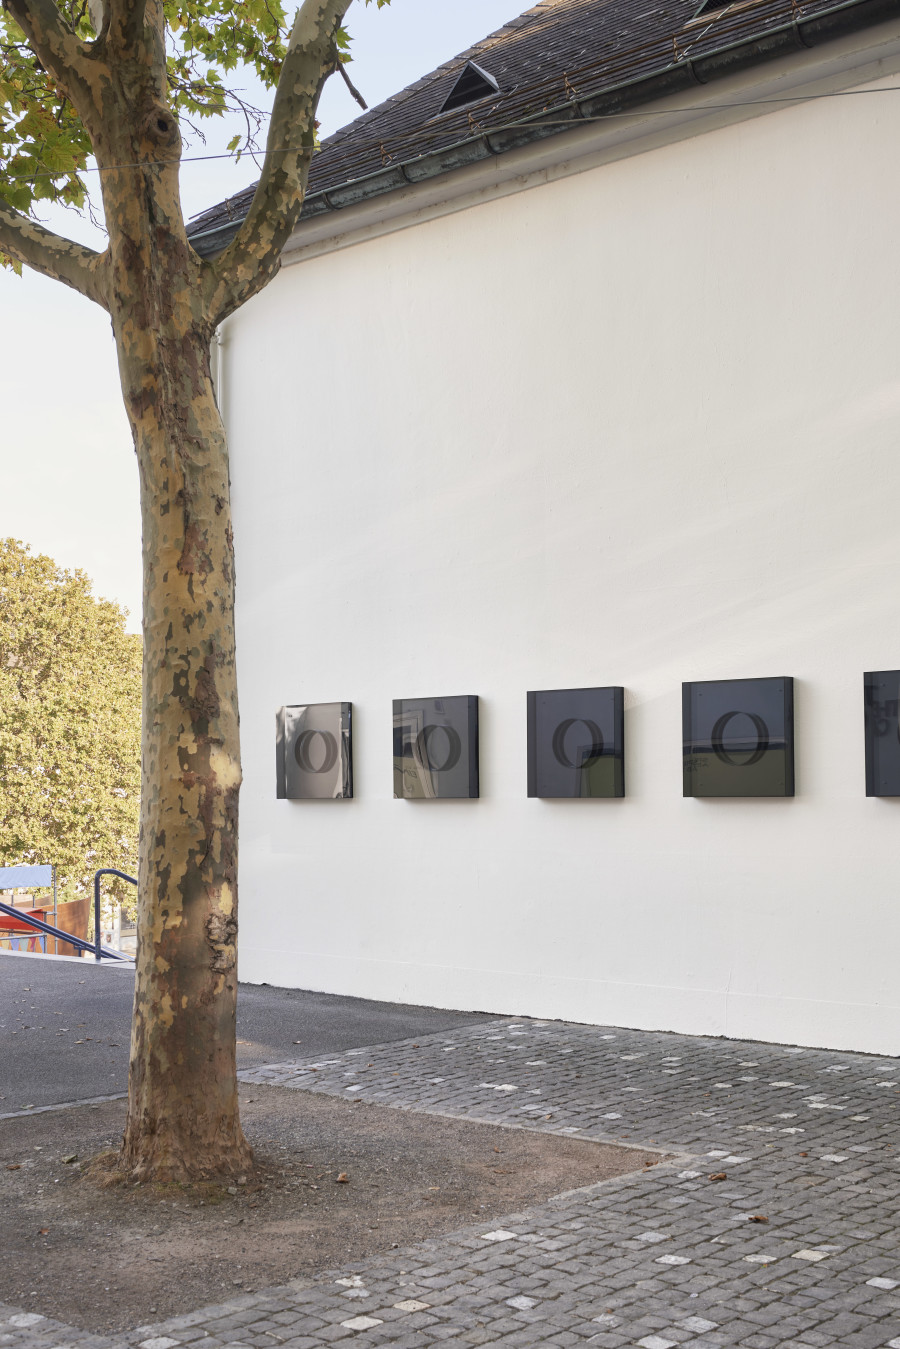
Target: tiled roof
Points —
{"points": [[558, 56]]}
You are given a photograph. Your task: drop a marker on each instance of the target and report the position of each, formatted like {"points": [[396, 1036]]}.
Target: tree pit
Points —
{"points": [[334, 1182]]}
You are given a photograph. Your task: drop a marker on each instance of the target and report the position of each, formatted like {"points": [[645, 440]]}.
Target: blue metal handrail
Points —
{"points": [[50, 931], [105, 871]]}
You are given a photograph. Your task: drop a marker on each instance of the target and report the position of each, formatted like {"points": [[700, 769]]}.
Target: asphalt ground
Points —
{"points": [[65, 1028]]}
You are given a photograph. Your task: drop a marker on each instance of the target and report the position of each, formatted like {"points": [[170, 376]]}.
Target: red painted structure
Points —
{"points": [[17, 935]]}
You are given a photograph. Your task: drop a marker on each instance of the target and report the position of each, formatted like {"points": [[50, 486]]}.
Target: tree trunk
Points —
{"points": [[183, 1118], [164, 302], [183, 1114]]}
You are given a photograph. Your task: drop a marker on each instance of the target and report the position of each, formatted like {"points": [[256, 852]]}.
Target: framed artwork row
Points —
{"points": [[737, 741]]}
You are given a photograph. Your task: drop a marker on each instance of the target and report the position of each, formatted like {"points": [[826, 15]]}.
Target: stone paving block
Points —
{"points": [[746, 1110], [333, 1334]]}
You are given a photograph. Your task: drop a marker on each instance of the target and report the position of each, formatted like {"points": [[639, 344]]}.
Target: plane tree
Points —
{"points": [[118, 80]]}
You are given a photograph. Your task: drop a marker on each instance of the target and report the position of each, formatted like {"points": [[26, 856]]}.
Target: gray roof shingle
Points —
{"points": [[568, 58]]}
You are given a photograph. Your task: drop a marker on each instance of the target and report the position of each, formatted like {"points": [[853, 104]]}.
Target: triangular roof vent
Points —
{"points": [[473, 83]]}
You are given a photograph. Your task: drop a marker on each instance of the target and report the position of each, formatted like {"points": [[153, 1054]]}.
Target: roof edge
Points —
{"points": [[839, 21]]}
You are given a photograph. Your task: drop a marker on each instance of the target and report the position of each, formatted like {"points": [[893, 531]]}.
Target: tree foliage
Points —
{"points": [[70, 723], [44, 145]]}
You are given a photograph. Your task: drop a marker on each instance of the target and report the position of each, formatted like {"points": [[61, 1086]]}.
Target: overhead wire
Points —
{"points": [[536, 121], [524, 101], [729, 23]]}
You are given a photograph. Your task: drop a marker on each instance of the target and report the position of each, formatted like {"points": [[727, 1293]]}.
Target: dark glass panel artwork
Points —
{"points": [[435, 748], [739, 737], [313, 752], [882, 695], [576, 743]]}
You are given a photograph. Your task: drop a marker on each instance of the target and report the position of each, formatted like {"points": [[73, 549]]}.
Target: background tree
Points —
{"points": [[70, 724], [114, 79]]}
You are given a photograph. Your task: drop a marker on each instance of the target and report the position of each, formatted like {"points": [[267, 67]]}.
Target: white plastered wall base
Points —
{"points": [[694, 1011]]}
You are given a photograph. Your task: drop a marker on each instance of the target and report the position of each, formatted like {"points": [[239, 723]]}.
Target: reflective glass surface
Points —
{"points": [[313, 752], [882, 695], [435, 748], [739, 737], [575, 742]]}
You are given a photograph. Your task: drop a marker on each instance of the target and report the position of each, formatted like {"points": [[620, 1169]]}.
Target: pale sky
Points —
{"points": [[67, 469]]}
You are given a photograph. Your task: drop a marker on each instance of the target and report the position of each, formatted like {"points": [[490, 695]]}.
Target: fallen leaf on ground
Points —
{"points": [[757, 1218], [719, 1175], [14, 1166], [342, 1179]]}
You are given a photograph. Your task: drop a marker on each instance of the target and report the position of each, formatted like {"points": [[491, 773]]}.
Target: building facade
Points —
{"points": [[615, 407]]}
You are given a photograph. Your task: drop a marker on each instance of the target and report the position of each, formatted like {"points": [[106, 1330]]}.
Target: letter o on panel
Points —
{"points": [[558, 744], [304, 745], [454, 750], [718, 739]]}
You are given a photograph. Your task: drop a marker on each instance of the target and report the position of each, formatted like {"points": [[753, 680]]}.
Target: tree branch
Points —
{"points": [[125, 19], [253, 256], [59, 51], [52, 255], [342, 70]]}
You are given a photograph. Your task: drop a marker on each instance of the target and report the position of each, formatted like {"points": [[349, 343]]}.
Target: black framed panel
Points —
{"points": [[436, 748], [738, 737], [576, 742], [313, 752], [882, 697]]}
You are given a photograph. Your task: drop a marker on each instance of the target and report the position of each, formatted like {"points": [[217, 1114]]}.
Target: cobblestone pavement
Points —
{"points": [[775, 1224]]}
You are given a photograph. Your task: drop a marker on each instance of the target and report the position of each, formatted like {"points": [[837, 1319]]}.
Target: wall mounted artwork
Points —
{"points": [[435, 748], [313, 752], [882, 695], [738, 737], [576, 743]]}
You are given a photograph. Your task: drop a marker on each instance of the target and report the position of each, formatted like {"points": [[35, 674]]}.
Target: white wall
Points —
{"points": [[636, 426]]}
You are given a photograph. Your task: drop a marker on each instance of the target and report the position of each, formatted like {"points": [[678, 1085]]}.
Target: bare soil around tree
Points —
{"points": [[335, 1182]]}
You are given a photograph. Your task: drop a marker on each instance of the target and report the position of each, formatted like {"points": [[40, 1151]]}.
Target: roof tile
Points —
{"points": [[557, 53]]}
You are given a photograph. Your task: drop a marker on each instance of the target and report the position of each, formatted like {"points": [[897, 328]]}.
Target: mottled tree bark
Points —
{"points": [[164, 303], [182, 1108]]}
